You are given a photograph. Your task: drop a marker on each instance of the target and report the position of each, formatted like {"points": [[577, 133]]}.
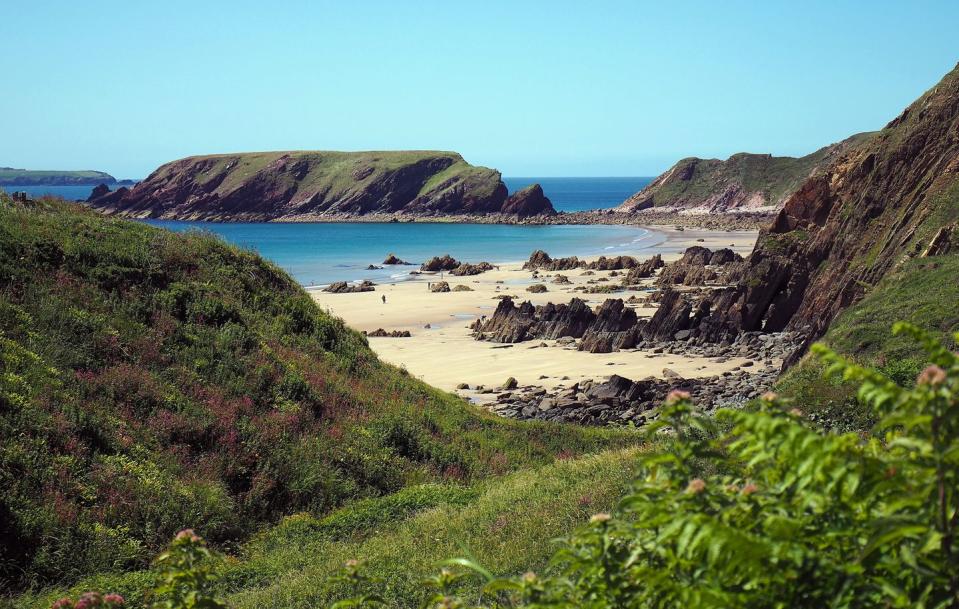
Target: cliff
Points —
{"points": [[743, 182], [30, 177], [878, 204], [313, 185]]}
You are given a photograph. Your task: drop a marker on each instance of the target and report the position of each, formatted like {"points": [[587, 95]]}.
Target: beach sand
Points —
{"points": [[445, 354]]}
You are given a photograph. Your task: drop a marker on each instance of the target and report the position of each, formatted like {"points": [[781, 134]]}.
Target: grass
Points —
{"points": [[508, 524], [775, 177], [155, 381], [923, 291], [332, 171], [11, 176]]}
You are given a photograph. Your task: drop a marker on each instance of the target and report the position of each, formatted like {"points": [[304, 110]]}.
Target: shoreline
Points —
{"points": [[670, 244], [442, 351]]}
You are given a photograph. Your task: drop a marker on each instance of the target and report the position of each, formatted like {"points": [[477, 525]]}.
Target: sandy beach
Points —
{"points": [[442, 352]]}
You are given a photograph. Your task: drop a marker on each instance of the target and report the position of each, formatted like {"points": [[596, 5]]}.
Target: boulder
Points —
{"points": [[536, 288], [392, 259], [440, 286]]}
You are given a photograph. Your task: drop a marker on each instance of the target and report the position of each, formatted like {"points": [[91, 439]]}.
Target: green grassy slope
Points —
{"points": [[509, 524], [923, 291], [333, 172], [154, 381], [692, 181], [9, 176]]}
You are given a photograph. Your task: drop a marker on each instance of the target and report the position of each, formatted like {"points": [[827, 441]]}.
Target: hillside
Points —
{"points": [[155, 381], [30, 177], [879, 204], [313, 185], [743, 182]]}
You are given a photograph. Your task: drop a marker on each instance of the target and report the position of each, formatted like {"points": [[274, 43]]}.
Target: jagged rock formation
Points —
{"points": [[875, 206], [743, 182], [342, 287], [440, 263], [393, 260], [381, 333], [315, 185], [465, 268], [541, 261], [447, 263], [645, 270], [700, 266], [529, 201]]}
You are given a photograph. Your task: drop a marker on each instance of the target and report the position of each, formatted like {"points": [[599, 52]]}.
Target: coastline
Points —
{"points": [[442, 351]]}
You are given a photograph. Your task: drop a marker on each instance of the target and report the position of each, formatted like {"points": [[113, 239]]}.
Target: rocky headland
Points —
{"points": [[321, 186]]}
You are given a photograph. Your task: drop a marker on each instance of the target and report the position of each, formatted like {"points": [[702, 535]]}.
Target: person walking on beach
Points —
{"points": [[384, 298]]}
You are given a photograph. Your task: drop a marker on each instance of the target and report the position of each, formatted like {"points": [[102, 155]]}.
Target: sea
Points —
{"points": [[317, 254]]}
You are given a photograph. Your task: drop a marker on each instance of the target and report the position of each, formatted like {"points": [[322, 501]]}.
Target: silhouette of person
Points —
{"points": [[384, 298]]}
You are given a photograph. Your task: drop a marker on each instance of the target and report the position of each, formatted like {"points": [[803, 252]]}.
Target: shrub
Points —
{"points": [[759, 509]]}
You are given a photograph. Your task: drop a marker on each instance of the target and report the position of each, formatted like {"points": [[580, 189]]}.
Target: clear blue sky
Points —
{"points": [[531, 88]]}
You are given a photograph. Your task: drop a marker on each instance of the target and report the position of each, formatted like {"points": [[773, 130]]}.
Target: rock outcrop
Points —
{"points": [[342, 287], [313, 185], [878, 204], [529, 201]]}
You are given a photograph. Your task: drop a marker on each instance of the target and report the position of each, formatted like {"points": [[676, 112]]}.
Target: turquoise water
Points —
{"points": [[567, 194], [580, 194], [317, 254]]}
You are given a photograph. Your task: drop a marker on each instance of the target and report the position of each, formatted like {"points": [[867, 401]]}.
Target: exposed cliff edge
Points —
{"points": [[317, 185], [743, 182], [878, 204]]}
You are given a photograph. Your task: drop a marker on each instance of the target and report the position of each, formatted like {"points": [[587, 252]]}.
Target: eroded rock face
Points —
{"points": [[529, 201], [879, 203], [316, 184]]}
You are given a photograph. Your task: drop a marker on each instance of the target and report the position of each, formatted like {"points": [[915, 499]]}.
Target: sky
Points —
{"points": [[601, 88]]}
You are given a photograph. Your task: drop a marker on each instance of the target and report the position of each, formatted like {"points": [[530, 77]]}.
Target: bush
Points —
{"points": [[759, 509]]}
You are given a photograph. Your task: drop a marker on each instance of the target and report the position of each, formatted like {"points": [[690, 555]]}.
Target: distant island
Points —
{"points": [[320, 185], [10, 176]]}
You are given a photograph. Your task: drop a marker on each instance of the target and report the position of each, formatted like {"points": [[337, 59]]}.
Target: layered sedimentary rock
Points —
{"points": [[308, 185], [875, 206]]}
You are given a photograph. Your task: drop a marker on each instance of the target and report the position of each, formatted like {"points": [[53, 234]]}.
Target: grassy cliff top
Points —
{"points": [[10, 176], [693, 180], [326, 169]]}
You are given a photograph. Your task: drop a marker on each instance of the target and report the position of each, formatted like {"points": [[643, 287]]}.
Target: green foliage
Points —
{"points": [[923, 291], [153, 382], [766, 511], [186, 576]]}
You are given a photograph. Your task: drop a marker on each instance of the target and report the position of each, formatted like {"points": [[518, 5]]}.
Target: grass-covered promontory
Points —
{"points": [[311, 185], [29, 177], [154, 381], [744, 181]]}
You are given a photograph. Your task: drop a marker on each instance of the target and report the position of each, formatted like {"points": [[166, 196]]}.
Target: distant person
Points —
{"points": [[384, 298]]}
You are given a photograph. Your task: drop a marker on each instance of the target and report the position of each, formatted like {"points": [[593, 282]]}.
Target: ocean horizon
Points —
{"points": [[566, 193], [318, 253]]}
